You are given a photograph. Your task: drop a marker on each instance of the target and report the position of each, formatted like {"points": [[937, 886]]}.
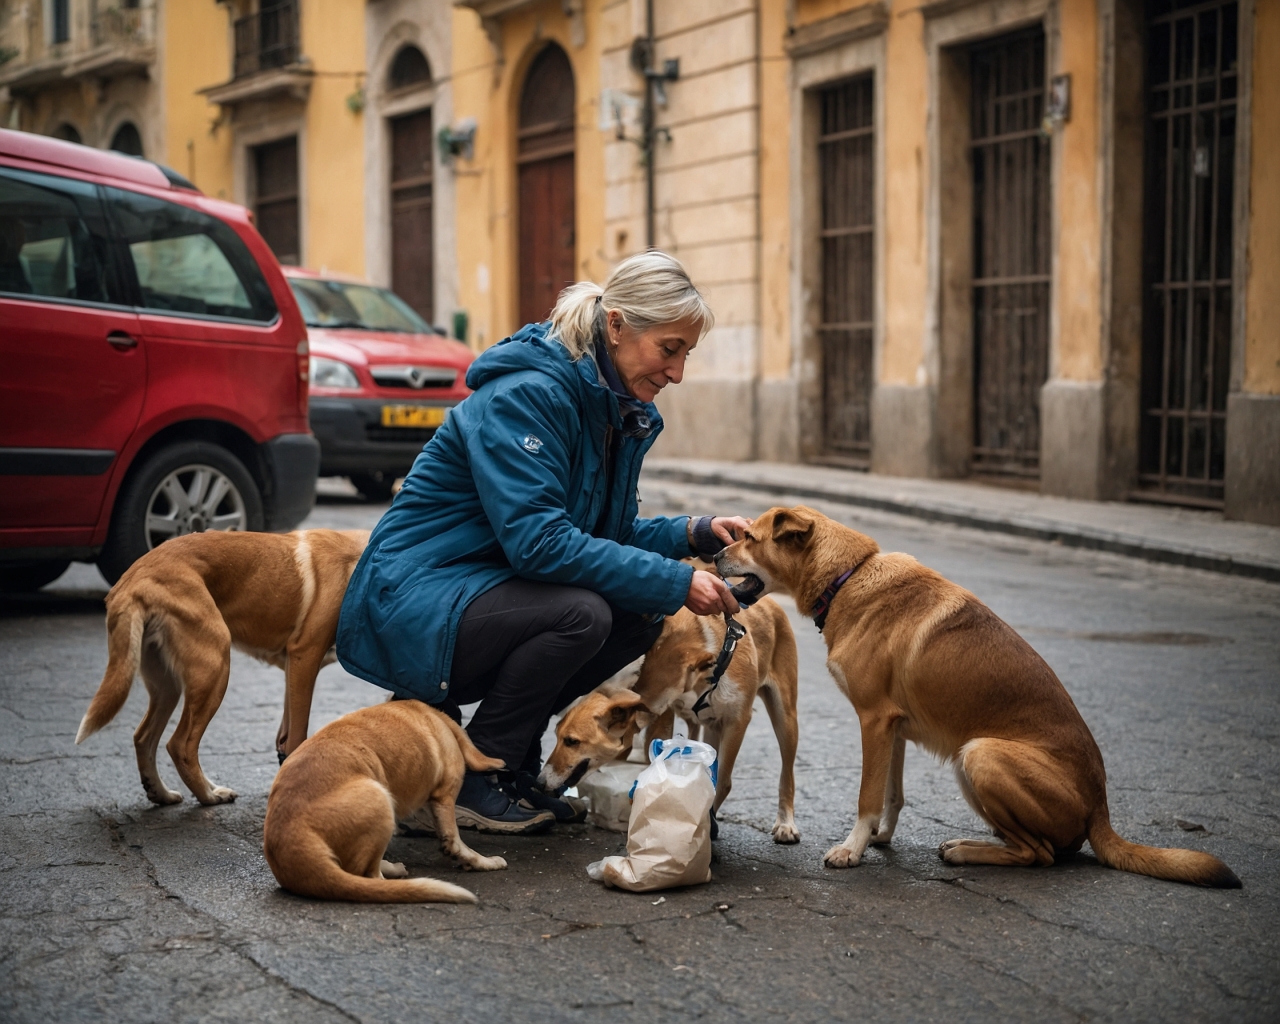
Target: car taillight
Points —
{"points": [[304, 375]]}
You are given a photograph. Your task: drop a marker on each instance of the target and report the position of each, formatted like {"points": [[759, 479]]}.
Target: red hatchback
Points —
{"points": [[156, 363], [382, 380]]}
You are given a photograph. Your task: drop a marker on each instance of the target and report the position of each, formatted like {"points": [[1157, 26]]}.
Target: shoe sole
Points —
{"points": [[536, 825]]}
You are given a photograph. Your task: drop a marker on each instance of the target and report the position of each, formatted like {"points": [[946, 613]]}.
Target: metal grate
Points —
{"points": [[1192, 57], [847, 172], [1011, 252], [268, 38]]}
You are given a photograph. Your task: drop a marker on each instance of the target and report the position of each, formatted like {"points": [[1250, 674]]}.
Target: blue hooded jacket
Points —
{"points": [[513, 484]]}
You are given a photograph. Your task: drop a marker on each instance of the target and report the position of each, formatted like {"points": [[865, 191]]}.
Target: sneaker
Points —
{"points": [[566, 810], [483, 805]]}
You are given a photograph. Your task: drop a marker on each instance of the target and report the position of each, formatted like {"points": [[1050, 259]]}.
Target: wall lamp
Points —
{"points": [[457, 141]]}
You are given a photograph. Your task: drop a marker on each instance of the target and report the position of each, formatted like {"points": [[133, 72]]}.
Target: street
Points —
{"points": [[114, 909]]}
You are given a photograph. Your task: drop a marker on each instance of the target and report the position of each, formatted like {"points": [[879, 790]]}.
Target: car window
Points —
{"points": [[187, 262], [54, 241], [342, 304]]}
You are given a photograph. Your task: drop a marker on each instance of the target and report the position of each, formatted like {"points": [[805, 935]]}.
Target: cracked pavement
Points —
{"points": [[113, 909]]}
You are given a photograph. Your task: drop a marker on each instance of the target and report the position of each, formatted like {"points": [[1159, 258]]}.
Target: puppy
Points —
{"points": [[922, 659], [180, 608], [333, 806], [596, 730], [677, 672]]}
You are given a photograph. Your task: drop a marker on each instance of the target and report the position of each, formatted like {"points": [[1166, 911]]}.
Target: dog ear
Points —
{"points": [[621, 711], [792, 524], [704, 662]]}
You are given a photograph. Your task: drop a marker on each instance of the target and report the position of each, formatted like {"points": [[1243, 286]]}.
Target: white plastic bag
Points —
{"points": [[669, 834], [608, 794]]}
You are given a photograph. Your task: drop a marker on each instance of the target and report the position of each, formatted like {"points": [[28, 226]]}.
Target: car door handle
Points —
{"points": [[121, 342]]}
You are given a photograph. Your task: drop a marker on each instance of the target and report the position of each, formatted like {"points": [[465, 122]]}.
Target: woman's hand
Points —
{"points": [[729, 528], [709, 595]]}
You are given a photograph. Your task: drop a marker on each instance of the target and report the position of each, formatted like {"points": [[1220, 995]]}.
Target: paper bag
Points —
{"points": [[608, 794], [669, 836]]}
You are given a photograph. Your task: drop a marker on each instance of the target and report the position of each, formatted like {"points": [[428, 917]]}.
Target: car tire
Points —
{"points": [[24, 577], [376, 486], [156, 503]]}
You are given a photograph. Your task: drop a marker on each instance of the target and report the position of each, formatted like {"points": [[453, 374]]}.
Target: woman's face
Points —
{"points": [[649, 360]]}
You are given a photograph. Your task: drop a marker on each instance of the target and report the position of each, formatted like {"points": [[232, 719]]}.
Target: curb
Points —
{"points": [[1075, 537]]}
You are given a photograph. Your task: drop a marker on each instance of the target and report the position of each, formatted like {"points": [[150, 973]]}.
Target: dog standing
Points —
{"points": [[676, 673], [333, 806], [179, 609], [922, 659]]}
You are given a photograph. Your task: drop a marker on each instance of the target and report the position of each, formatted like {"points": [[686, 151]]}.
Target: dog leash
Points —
{"points": [[733, 632]]}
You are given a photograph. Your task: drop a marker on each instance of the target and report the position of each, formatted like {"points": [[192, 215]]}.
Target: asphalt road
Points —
{"points": [[113, 909]]}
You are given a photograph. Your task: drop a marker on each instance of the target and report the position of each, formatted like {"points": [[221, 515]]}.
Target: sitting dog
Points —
{"points": [[922, 659], [179, 609], [333, 806], [676, 675]]}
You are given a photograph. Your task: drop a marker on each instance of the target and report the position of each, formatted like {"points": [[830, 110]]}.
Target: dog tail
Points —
{"points": [[125, 627], [475, 760], [1189, 866]]}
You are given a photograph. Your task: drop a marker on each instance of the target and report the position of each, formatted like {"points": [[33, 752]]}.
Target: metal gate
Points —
{"points": [[846, 167], [1011, 252], [1192, 63]]}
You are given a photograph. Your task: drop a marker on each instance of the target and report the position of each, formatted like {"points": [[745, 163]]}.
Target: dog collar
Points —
{"points": [[824, 602], [733, 632]]}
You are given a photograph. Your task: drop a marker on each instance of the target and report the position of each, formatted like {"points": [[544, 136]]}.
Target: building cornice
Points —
{"points": [[869, 20]]}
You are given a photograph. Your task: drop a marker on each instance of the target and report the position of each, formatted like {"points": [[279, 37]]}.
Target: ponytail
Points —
{"points": [[648, 289]]}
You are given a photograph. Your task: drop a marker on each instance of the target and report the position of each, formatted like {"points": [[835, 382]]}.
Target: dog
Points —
{"points": [[333, 806], [597, 729], [179, 609], [922, 659], [677, 671]]}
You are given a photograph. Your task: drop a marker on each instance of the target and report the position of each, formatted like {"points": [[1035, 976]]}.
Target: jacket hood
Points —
{"points": [[528, 349]]}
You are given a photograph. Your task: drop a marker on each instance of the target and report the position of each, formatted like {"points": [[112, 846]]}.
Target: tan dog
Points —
{"points": [[922, 659], [180, 608], [677, 671], [598, 729], [334, 804]]}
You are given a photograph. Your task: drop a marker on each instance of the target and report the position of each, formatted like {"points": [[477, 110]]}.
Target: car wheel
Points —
{"points": [[24, 577], [376, 486], [188, 487]]}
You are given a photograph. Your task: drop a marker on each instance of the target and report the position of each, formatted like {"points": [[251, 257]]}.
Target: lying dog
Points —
{"points": [[922, 659], [677, 672], [333, 806], [180, 608]]}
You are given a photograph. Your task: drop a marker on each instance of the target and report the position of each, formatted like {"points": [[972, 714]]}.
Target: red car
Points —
{"points": [[382, 380], [156, 365]]}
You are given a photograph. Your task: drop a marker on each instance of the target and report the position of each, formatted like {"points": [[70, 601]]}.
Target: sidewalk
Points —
{"points": [[1203, 540]]}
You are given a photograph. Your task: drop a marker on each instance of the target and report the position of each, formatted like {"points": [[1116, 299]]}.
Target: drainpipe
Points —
{"points": [[655, 94]]}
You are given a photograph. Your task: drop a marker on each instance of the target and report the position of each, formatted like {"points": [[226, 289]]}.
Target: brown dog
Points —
{"points": [[922, 659], [334, 804], [598, 729], [180, 608], [677, 671]]}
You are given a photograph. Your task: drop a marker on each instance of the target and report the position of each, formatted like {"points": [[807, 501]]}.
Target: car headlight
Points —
{"points": [[330, 373]]}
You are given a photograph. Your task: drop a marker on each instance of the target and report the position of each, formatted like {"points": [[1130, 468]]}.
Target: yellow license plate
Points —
{"points": [[412, 415]]}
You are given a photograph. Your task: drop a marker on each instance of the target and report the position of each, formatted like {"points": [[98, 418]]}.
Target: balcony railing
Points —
{"points": [[267, 39], [121, 25]]}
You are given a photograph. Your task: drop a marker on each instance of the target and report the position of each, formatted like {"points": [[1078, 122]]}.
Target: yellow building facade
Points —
{"points": [[1029, 241]]}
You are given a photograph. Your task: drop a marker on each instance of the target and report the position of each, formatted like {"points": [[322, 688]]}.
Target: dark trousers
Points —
{"points": [[527, 650]]}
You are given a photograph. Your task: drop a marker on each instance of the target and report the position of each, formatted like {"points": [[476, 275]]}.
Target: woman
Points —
{"points": [[512, 568]]}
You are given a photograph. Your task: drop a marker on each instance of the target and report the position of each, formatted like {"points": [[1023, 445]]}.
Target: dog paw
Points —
{"points": [[881, 838], [163, 797], [786, 834], [491, 864], [840, 857], [393, 870], [219, 795]]}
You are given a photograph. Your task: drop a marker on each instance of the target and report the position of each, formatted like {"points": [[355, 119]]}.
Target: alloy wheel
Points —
{"points": [[193, 499]]}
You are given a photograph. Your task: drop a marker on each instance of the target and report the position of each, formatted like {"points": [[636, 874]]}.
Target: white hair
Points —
{"points": [[648, 289]]}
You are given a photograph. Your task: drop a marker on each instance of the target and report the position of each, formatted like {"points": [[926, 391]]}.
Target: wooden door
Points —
{"points": [[1011, 253], [276, 198], [412, 263], [547, 235]]}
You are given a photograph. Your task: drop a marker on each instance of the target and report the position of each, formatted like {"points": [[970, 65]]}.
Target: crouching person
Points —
{"points": [[512, 569]]}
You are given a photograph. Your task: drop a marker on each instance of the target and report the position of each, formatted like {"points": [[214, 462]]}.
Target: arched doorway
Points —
{"points": [[412, 246], [127, 140], [544, 155]]}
